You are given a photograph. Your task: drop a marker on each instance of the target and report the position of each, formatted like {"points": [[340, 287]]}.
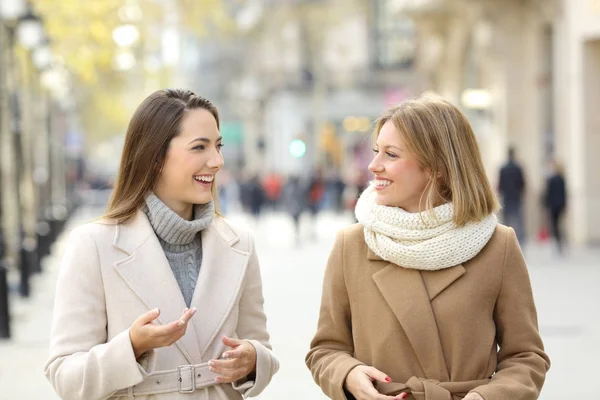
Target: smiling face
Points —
{"points": [[399, 179], [192, 161]]}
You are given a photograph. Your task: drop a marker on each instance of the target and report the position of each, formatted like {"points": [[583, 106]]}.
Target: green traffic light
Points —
{"points": [[297, 148]]}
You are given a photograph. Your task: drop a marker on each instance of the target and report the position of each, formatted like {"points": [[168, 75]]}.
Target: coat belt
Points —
{"points": [[183, 379], [431, 389]]}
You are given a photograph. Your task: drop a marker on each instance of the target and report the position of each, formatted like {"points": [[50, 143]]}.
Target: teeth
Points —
{"points": [[379, 182], [204, 178]]}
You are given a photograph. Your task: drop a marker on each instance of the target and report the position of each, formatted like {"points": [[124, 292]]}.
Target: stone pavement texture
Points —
{"points": [[565, 289]]}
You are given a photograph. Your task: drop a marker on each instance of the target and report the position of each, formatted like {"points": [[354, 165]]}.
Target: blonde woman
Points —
{"points": [[161, 299], [427, 297]]}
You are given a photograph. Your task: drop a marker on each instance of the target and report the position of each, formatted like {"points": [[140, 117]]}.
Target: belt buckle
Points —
{"points": [[180, 369]]}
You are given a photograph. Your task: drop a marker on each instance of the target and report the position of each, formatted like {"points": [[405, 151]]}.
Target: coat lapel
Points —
{"points": [[437, 281], [219, 283], [408, 296], [148, 273]]}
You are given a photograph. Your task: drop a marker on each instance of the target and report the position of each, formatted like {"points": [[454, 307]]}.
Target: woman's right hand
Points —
{"points": [[359, 382], [146, 336]]}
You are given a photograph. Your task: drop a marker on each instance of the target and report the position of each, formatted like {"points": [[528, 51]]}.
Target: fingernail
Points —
{"points": [[194, 310], [388, 379], [211, 369], [404, 395], [156, 311], [225, 355]]}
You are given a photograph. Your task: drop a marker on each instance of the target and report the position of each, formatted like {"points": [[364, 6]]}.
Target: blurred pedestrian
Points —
{"points": [[162, 295], [315, 192], [272, 185], [555, 200], [256, 196], [427, 297], [294, 201], [512, 189]]}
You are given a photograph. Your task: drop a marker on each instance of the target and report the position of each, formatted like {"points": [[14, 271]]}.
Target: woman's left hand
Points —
{"points": [[473, 396], [237, 363]]}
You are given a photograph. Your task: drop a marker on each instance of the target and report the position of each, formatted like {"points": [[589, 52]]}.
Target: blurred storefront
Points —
{"points": [[576, 115], [315, 67]]}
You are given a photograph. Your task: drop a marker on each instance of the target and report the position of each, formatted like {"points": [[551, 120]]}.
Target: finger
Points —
{"points": [[230, 342], [237, 353], [221, 365], [187, 315], [148, 317], [373, 394], [228, 379], [377, 375], [170, 329]]}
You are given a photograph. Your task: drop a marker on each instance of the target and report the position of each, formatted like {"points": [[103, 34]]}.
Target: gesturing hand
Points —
{"points": [[236, 363], [473, 396], [146, 336], [359, 382]]}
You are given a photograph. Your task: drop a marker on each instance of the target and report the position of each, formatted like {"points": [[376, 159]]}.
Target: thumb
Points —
{"points": [[230, 342], [148, 317], [377, 375]]}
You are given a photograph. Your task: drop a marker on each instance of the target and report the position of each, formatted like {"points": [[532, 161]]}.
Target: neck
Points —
{"points": [[171, 226], [184, 210]]}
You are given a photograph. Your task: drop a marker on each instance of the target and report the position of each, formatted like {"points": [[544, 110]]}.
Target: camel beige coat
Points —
{"points": [[435, 333], [112, 274]]}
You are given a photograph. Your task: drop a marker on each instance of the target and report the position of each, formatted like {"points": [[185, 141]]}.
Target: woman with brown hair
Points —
{"points": [[162, 297], [427, 297]]}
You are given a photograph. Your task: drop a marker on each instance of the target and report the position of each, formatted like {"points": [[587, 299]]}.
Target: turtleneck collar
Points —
{"points": [[173, 229]]}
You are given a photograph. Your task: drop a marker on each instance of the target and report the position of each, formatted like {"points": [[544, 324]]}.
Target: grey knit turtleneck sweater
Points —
{"points": [[180, 240]]}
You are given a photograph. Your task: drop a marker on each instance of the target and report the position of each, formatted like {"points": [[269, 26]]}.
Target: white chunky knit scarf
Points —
{"points": [[420, 241]]}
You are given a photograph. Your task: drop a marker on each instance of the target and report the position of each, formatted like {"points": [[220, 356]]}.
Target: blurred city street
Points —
{"points": [[292, 277], [297, 89]]}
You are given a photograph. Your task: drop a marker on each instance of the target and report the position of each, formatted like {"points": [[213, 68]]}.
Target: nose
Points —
{"points": [[216, 161], [375, 166]]}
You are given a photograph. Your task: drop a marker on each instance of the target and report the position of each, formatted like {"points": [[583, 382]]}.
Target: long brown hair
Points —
{"points": [[442, 139], [153, 125]]}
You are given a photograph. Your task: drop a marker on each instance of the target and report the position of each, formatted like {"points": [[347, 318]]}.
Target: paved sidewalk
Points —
{"points": [[24, 355], [565, 290]]}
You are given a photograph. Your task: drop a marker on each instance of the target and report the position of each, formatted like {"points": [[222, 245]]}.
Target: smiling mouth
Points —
{"points": [[206, 179], [382, 183]]}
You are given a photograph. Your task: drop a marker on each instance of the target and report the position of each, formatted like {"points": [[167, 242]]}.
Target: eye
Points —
{"points": [[199, 147], [220, 146], [391, 155], [375, 151]]}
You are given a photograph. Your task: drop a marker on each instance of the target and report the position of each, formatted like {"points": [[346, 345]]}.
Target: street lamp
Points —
{"points": [[10, 11], [30, 32], [42, 55]]}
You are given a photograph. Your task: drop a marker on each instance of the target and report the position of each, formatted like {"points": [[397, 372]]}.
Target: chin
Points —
{"points": [[202, 199], [381, 201]]}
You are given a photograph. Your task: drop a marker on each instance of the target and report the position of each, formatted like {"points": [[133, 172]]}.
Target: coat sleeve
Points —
{"points": [[252, 326], [330, 358], [83, 365], [522, 362]]}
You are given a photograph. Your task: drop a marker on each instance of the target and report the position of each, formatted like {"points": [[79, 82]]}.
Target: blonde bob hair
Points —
{"points": [[443, 142]]}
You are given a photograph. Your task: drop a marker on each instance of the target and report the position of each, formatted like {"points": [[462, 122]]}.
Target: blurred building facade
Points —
{"points": [[321, 72], [526, 73], [577, 119]]}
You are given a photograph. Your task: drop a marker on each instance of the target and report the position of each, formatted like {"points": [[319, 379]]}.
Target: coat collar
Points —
{"points": [[411, 304], [147, 272], [130, 236]]}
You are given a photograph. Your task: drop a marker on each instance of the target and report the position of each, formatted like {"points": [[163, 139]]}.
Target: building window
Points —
{"points": [[394, 37]]}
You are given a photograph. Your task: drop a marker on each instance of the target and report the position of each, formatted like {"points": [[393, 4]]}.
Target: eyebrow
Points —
{"points": [[205, 140], [389, 145]]}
